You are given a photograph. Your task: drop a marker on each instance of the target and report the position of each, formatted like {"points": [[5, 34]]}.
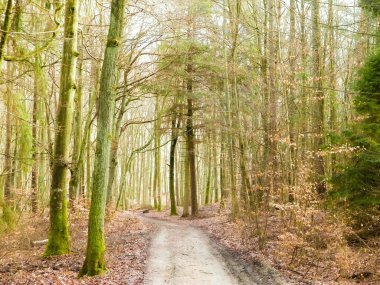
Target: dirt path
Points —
{"points": [[182, 254]]}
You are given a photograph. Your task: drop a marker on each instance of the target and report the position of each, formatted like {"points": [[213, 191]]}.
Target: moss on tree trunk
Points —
{"points": [[59, 232], [5, 29], [94, 263]]}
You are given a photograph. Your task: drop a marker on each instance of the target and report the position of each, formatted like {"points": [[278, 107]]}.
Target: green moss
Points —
{"points": [[95, 263], [26, 138], [94, 268], [57, 247], [9, 216], [58, 243]]}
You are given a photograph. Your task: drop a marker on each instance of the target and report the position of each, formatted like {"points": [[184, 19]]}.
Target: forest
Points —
{"points": [[134, 130]]}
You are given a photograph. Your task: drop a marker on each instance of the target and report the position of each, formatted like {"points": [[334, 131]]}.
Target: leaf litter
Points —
{"points": [[127, 241]]}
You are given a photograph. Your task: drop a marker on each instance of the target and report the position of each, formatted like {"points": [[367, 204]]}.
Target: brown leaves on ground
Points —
{"points": [[127, 243], [306, 246]]}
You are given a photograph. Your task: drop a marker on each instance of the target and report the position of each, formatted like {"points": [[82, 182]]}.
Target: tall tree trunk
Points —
{"points": [[173, 143], [235, 11], [8, 165], [39, 181], [78, 168], [229, 103], [190, 136], [273, 95], [59, 230], [304, 94], [222, 175], [216, 185], [34, 179], [5, 30], [208, 194], [264, 57], [86, 146], [76, 171], [318, 99], [39, 94], [291, 103], [115, 143], [332, 82], [94, 263], [157, 159], [186, 184]]}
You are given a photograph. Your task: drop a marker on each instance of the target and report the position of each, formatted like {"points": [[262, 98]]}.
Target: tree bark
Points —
{"points": [[292, 108], [190, 136], [76, 171], [173, 143], [318, 99], [186, 184], [208, 194], [8, 165], [115, 145], [5, 30], [94, 263], [157, 159], [332, 82], [39, 94], [59, 230]]}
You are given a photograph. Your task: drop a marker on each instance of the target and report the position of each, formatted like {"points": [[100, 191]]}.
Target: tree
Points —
{"points": [[175, 125], [357, 181], [76, 168], [94, 263], [318, 99], [59, 228], [5, 29], [190, 136], [157, 199]]}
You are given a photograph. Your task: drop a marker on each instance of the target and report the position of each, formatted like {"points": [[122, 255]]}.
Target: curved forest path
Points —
{"points": [[183, 254]]}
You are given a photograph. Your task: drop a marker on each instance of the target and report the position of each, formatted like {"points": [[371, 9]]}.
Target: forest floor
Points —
{"points": [[127, 240], [155, 246], [283, 259]]}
